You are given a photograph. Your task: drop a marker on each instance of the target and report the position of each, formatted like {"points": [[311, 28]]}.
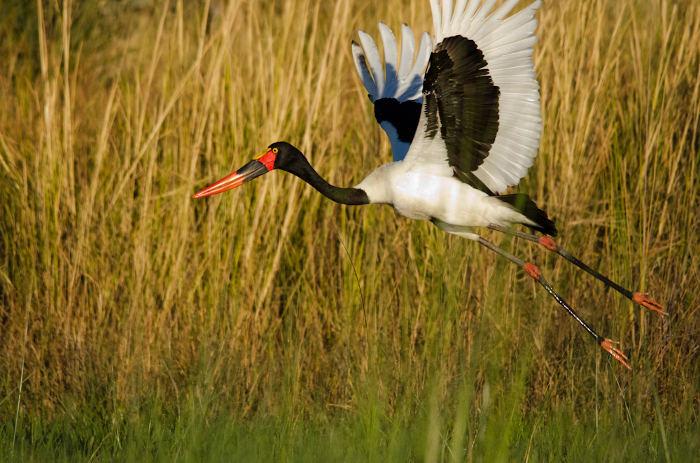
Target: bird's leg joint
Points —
{"points": [[548, 243], [532, 270]]}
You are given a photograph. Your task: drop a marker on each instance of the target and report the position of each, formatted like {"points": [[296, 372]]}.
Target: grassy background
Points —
{"points": [[269, 323]]}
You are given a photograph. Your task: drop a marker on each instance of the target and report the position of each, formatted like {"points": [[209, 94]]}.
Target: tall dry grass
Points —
{"points": [[116, 288]]}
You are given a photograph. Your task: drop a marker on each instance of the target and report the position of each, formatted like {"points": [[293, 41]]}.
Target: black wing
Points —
{"points": [[461, 106]]}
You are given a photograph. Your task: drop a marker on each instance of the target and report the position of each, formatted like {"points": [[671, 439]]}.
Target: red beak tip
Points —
{"points": [[252, 169]]}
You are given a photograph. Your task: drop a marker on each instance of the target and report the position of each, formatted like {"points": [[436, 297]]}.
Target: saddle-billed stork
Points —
{"points": [[461, 132]]}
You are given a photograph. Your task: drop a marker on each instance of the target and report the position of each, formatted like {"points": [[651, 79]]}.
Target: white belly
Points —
{"points": [[422, 196], [430, 191]]}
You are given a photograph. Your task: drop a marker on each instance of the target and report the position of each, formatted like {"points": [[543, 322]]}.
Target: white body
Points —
{"points": [[431, 192]]}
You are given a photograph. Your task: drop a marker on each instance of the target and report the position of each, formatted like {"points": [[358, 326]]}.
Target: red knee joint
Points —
{"points": [[549, 243], [533, 271]]}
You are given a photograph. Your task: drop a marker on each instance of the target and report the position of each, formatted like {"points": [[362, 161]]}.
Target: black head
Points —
{"points": [[285, 155]]}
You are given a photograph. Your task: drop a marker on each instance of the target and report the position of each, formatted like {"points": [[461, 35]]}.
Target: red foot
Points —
{"points": [[641, 298], [549, 243], [617, 354], [533, 271]]}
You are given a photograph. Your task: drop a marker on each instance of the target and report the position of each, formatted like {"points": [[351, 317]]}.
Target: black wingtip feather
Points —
{"points": [[527, 207]]}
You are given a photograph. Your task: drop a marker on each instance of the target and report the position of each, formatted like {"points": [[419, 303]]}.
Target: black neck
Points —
{"points": [[302, 169]]}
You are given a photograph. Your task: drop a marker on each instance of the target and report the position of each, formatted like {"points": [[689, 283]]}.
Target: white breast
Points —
{"points": [[422, 195]]}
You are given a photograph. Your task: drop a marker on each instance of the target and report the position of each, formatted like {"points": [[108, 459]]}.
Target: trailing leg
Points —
{"points": [[549, 243], [535, 273]]}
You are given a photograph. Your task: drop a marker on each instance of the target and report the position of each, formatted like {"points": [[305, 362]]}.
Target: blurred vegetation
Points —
{"points": [[270, 323]]}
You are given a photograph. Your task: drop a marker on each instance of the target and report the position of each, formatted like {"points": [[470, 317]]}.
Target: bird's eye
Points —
{"points": [[275, 150]]}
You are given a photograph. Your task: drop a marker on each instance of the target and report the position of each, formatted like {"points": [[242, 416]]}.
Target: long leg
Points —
{"points": [[532, 270], [535, 273], [549, 243]]}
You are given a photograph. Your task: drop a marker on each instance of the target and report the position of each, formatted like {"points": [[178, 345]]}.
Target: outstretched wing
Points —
{"points": [[397, 93], [481, 112]]}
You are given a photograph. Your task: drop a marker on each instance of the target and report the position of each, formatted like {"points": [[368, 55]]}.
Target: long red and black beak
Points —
{"points": [[255, 168]]}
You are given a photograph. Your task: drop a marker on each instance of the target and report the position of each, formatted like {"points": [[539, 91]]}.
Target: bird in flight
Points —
{"points": [[462, 113]]}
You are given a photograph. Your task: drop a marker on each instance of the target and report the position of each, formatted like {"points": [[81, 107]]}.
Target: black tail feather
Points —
{"points": [[527, 207]]}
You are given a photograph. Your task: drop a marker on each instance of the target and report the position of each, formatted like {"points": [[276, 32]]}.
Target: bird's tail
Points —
{"points": [[527, 207]]}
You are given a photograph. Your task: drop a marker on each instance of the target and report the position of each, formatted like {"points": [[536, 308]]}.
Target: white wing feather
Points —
{"points": [[403, 80], [375, 61], [413, 82], [408, 49], [391, 59], [363, 70]]}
